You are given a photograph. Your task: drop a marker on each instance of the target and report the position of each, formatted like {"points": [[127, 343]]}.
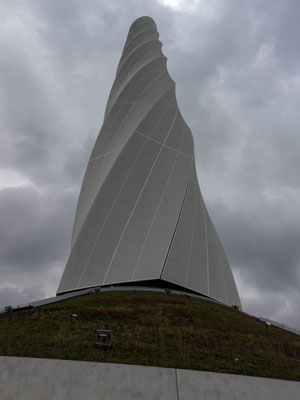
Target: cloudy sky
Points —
{"points": [[236, 68]]}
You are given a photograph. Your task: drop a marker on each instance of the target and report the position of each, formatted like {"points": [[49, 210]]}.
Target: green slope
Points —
{"points": [[153, 329]]}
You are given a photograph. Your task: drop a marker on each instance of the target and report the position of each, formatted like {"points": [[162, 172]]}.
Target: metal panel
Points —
{"points": [[126, 255], [106, 243], [178, 257], [155, 248], [197, 270]]}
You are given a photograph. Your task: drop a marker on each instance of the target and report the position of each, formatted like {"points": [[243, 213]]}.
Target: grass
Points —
{"points": [[153, 329]]}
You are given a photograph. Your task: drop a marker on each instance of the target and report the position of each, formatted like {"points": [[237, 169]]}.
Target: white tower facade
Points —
{"points": [[140, 218]]}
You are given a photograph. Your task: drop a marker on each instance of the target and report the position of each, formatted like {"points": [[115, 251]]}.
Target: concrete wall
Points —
{"points": [[41, 379]]}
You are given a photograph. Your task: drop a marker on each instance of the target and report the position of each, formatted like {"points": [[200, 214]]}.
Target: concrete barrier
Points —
{"points": [[202, 385], [43, 379]]}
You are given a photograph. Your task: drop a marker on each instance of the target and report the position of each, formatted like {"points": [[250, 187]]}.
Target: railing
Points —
{"points": [[279, 325]]}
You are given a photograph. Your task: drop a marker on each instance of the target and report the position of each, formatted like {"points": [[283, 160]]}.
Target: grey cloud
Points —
{"points": [[264, 242], [76, 163], [34, 228], [10, 295]]}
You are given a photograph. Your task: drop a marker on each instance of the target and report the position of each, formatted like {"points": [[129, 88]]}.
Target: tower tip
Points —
{"points": [[142, 20]]}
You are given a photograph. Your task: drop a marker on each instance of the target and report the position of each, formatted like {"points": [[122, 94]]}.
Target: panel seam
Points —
{"points": [[164, 145], [192, 239], [176, 226], [206, 242]]}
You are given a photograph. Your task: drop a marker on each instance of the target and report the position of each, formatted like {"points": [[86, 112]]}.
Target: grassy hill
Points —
{"points": [[153, 329]]}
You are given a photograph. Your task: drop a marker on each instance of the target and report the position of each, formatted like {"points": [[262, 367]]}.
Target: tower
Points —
{"points": [[141, 219]]}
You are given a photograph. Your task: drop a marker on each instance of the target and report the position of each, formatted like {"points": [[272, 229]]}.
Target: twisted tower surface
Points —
{"points": [[140, 217]]}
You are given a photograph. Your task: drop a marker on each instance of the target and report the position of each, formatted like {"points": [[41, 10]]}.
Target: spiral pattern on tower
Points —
{"points": [[140, 216]]}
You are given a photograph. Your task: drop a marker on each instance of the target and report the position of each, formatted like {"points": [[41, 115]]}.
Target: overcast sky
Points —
{"points": [[236, 68]]}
